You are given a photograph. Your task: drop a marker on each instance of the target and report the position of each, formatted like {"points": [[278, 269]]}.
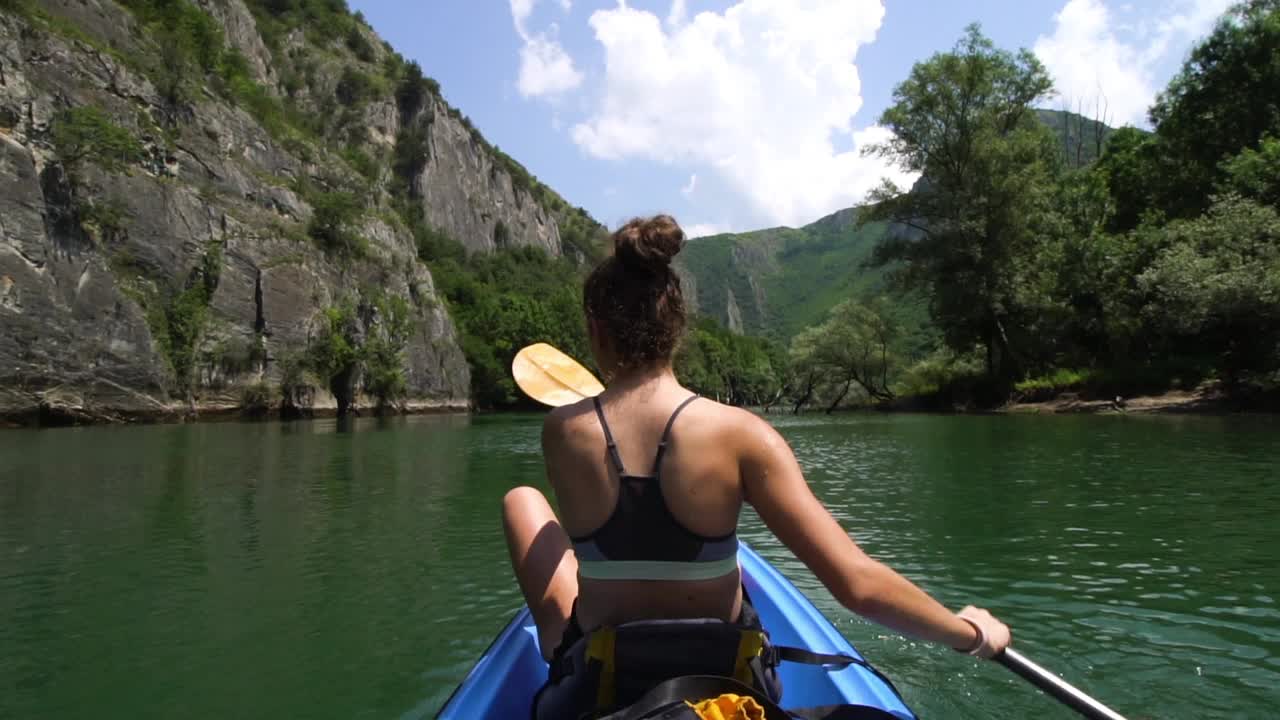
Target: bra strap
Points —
{"points": [[666, 433], [608, 438]]}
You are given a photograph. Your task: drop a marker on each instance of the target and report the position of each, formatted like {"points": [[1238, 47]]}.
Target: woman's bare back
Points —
{"points": [[700, 484]]}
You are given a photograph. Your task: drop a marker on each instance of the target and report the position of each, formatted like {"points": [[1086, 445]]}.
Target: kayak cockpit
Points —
{"points": [[503, 682]]}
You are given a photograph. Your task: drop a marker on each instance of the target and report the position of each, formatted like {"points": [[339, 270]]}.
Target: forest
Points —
{"points": [[1148, 263]]}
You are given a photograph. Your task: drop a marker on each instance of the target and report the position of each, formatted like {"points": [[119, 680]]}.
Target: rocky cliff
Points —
{"points": [[219, 206]]}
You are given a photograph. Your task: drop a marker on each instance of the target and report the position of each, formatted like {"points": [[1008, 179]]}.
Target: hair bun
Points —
{"points": [[648, 244]]}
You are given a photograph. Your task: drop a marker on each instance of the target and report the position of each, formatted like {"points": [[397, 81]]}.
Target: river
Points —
{"points": [[326, 570]]}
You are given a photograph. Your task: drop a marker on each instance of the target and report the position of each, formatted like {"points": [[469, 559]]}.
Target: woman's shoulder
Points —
{"points": [[568, 420], [730, 426], [576, 423]]}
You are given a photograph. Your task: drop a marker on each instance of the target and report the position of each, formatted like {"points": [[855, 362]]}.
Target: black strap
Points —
{"points": [[608, 438], [666, 433], [807, 657]]}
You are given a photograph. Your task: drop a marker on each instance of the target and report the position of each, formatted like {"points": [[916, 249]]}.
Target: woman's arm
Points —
{"points": [[775, 486]]}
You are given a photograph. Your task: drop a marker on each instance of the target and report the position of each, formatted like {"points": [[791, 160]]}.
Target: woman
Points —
{"points": [[631, 547]]}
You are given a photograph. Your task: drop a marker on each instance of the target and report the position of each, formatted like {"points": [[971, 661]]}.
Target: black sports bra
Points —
{"points": [[642, 540]]}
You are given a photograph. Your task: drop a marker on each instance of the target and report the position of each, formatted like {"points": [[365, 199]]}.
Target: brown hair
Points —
{"points": [[635, 295]]}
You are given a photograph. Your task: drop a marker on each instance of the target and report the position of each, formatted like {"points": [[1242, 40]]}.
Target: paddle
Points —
{"points": [[1059, 689], [553, 378]]}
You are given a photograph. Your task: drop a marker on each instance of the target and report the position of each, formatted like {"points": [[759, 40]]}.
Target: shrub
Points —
{"points": [[358, 44], [333, 214], [87, 134], [435, 246], [353, 87], [361, 162], [938, 372], [257, 398], [1053, 383], [501, 235], [409, 159], [103, 219]]}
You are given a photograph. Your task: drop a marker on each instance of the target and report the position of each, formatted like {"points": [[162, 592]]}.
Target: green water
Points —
{"points": [[313, 570]]}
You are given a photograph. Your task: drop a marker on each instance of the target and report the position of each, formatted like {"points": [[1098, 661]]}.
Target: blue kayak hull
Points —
{"points": [[503, 682]]}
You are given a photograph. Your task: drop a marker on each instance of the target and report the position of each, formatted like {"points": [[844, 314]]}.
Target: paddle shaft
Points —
{"points": [[1061, 690]]}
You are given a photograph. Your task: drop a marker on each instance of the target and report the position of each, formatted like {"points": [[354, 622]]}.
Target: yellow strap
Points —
{"points": [[728, 707], [750, 645], [601, 649]]}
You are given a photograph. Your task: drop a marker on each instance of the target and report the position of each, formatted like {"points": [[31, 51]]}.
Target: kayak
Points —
{"points": [[502, 683]]}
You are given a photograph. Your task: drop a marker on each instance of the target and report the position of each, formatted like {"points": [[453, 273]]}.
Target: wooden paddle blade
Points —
{"points": [[551, 377]]}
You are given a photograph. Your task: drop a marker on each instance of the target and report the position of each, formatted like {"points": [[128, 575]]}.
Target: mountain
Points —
{"points": [[1081, 139], [210, 203], [776, 282]]}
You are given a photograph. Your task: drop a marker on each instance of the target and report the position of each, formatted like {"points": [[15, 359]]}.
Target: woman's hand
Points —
{"points": [[991, 635]]}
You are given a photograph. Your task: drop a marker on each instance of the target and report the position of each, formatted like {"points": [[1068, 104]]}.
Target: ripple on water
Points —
{"points": [[313, 570]]}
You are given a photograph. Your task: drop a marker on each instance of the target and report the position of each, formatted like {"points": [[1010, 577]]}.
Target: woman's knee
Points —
{"points": [[524, 506]]}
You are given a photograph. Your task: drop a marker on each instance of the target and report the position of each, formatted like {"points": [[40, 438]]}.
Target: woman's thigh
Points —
{"points": [[543, 560]]}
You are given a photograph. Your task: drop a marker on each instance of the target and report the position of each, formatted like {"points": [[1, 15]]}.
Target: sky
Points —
{"points": [[735, 115]]}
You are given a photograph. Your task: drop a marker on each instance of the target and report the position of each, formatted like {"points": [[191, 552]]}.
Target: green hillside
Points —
{"points": [[778, 281], [784, 279], [1081, 139]]}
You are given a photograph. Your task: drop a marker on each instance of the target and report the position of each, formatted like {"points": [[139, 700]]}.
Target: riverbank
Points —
{"points": [[1203, 400], [1206, 399], [65, 412]]}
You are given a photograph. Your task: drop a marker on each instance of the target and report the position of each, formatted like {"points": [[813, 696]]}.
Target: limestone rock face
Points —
{"points": [[181, 279], [242, 34], [70, 342], [469, 196]]}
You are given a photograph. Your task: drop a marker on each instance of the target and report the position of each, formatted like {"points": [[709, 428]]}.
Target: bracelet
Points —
{"points": [[981, 641]]}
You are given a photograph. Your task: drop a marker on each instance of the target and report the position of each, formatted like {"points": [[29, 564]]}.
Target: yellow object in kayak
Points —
{"points": [[551, 377], [729, 707]]}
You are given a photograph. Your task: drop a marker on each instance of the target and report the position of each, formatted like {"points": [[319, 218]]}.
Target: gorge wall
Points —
{"points": [[234, 226]]}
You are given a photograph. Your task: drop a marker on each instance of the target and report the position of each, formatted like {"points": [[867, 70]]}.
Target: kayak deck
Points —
{"points": [[503, 682]]}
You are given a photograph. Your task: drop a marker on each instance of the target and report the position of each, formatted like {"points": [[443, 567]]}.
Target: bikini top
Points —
{"points": [[642, 540]]}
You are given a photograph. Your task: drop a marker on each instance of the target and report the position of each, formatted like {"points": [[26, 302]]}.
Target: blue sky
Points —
{"points": [[742, 114]]}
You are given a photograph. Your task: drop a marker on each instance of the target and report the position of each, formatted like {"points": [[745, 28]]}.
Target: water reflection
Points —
{"points": [[326, 569]]}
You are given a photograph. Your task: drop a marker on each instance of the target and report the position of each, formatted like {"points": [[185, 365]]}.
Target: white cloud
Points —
{"points": [[520, 12], [1093, 57], [688, 189], [677, 14], [760, 94], [566, 5], [545, 68], [698, 230]]}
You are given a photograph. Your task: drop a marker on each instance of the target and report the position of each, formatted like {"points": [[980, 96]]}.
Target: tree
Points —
{"points": [[1255, 173], [854, 346], [1216, 285], [390, 325], [334, 354], [1223, 100], [805, 368], [1129, 164], [964, 120]]}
